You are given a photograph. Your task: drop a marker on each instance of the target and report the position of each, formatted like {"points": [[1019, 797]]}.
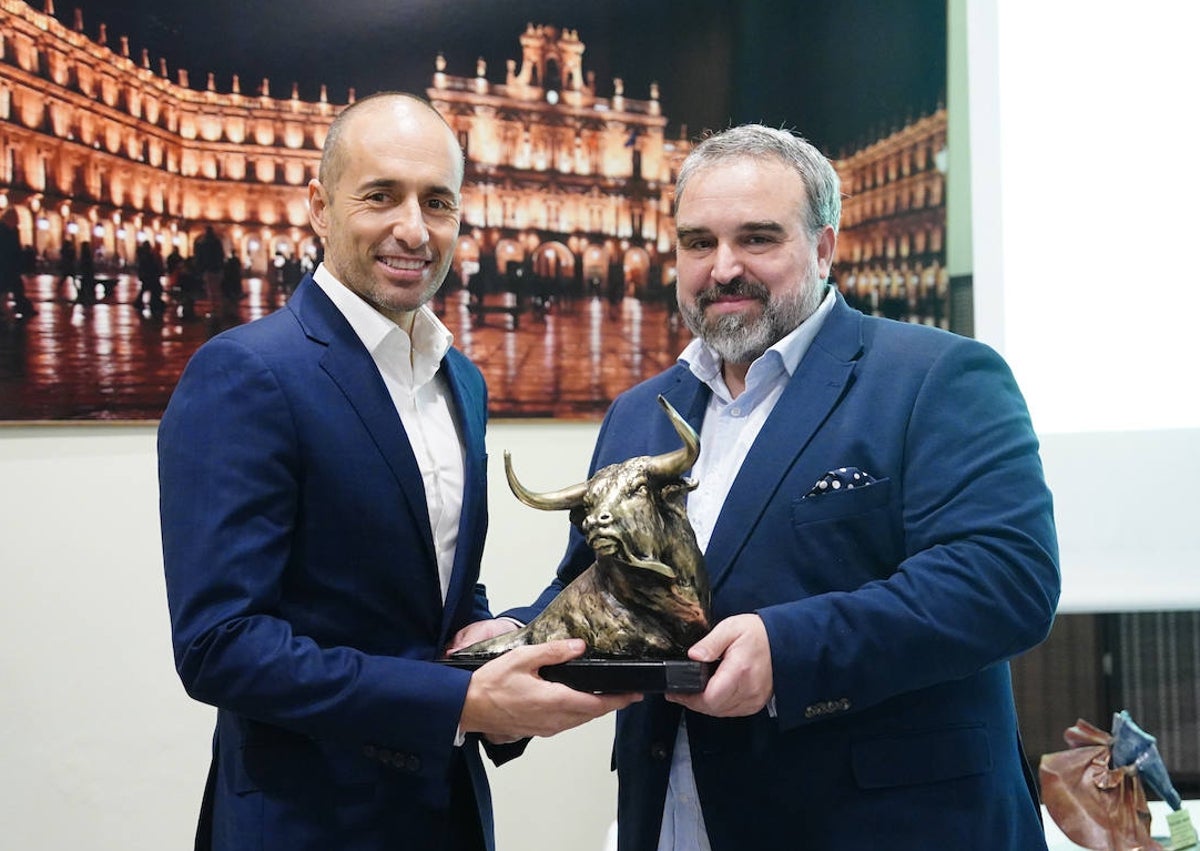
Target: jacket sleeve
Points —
{"points": [[230, 475]]}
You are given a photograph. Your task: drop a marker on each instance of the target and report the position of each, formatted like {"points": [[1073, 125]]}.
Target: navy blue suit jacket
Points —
{"points": [[891, 609], [304, 593]]}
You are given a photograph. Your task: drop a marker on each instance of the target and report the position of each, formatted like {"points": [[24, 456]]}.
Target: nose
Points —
{"points": [[727, 264], [408, 225], [602, 518]]}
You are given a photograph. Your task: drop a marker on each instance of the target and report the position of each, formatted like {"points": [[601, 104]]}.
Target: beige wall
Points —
{"points": [[101, 747]]}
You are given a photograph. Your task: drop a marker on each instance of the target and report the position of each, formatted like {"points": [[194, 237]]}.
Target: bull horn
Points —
{"points": [[671, 465], [553, 501]]}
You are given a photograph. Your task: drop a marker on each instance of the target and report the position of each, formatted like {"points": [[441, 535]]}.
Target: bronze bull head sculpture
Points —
{"points": [[647, 594]]}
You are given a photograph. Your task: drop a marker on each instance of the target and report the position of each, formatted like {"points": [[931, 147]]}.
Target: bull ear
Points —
{"points": [[674, 464], [553, 501]]}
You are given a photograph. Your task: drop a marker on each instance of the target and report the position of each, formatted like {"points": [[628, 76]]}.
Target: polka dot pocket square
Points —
{"points": [[843, 478]]}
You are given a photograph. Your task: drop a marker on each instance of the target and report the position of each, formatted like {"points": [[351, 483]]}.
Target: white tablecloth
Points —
{"points": [[1158, 825], [1054, 837]]}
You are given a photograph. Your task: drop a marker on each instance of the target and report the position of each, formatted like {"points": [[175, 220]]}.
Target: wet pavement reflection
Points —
{"points": [[112, 361]]}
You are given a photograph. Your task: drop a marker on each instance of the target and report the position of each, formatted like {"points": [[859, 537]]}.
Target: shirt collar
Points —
{"points": [[430, 338], [704, 362]]}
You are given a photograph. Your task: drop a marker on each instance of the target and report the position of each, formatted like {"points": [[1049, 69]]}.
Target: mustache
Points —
{"points": [[738, 287]]}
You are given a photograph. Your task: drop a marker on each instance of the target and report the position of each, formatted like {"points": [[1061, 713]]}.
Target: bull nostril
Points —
{"points": [[593, 521]]}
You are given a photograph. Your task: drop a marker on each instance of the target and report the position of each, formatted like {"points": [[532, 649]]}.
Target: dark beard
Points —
{"points": [[739, 340]]}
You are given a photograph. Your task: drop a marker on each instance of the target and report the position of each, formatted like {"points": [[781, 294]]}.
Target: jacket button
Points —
{"points": [[413, 763], [658, 750]]}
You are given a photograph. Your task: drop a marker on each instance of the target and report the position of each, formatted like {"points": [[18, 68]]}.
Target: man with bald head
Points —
{"points": [[323, 510]]}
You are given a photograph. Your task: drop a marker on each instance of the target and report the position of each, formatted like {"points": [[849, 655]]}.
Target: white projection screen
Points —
{"points": [[1085, 184]]}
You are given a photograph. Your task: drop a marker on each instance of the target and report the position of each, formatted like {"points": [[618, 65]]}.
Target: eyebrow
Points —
{"points": [[386, 183], [764, 226], [767, 226]]}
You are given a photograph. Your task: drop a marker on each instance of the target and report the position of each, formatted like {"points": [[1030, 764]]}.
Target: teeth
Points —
{"points": [[402, 264]]}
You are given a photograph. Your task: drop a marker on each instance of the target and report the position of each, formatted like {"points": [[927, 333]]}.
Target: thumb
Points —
{"points": [[712, 646], [553, 652]]}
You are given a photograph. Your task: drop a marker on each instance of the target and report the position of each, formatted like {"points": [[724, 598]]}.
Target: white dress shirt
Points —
{"points": [[729, 429], [410, 366]]}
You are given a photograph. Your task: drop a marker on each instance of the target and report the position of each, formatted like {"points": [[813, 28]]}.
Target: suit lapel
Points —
{"points": [[810, 395], [347, 361], [470, 414]]}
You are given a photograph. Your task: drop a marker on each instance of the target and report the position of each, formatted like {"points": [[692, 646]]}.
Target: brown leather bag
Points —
{"points": [[1095, 805]]}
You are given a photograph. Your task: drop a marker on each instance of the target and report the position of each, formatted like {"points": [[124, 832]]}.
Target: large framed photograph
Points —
{"points": [[156, 158]]}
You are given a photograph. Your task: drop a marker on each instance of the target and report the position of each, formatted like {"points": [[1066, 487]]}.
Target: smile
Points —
{"points": [[729, 303], [403, 264]]}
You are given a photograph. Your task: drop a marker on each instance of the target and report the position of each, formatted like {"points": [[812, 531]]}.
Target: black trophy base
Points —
{"points": [[620, 676]]}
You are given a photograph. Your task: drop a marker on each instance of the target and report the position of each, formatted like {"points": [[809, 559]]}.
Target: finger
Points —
{"points": [[722, 696], [718, 694], [480, 631], [612, 702], [713, 646], [580, 708], [551, 653], [560, 708], [694, 702]]}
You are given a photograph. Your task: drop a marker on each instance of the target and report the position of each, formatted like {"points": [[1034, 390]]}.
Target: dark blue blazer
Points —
{"points": [[891, 609], [304, 593]]}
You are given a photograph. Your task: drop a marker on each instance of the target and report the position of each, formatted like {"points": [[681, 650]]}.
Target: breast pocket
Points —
{"points": [[844, 503], [849, 535]]}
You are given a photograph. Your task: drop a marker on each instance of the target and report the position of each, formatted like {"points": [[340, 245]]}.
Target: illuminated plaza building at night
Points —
{"points": [[567, 234], [563, 185], [568, 184], [97, 145], [891, 256]]}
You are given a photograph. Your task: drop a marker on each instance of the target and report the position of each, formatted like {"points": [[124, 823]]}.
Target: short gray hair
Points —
{"points": [[821, 183]]}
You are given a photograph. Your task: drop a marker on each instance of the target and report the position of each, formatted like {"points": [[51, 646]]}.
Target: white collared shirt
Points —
{"points": [[729, 429], [410, 367]]}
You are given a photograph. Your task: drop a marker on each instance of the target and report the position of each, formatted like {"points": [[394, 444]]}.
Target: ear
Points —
{"points": [[318, 208], [826, 247]]}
